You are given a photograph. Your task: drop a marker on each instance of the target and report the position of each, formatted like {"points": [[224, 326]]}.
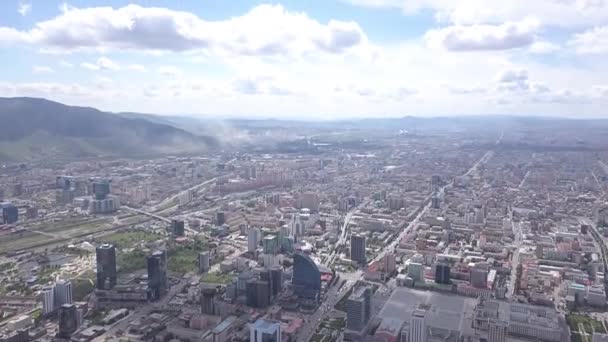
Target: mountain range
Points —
{"points": [[34, 128]]}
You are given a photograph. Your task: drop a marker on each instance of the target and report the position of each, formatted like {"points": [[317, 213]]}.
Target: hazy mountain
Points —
{"points": [[37, 128]]}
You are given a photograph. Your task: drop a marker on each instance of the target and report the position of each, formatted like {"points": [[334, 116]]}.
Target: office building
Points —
{"points": [[10, 213], [253, 239], [497, 330], [208, 299], [276, 279], [203, 262], [270, 244], [418, 325], [106, 266], [479, 276], [258, 293], [220, 218], [358, 309], [357, 249], [68, 320], [63, 292], [101, 189], [157, 274], [264, 330], [435, 202], [306, 277], [177, 227], [442, 273], [415, 270], [48, 300]]}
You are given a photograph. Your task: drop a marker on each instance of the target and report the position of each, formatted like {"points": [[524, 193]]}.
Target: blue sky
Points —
{"points": [[310, 59]]}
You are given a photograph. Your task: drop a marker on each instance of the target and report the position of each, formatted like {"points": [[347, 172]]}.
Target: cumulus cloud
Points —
{"points": [[462, 90], [265, 30], [65, 64], [260, 85], [102, 63], [513, 80], [44, 89], [543, 47], [170, 71], [505, 36], [592, 41]]}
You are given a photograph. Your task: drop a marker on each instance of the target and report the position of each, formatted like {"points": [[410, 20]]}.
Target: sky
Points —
{"points": [[310, 59]]}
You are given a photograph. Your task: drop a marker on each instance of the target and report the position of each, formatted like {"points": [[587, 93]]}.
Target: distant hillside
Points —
{"points": [[33, 128]]}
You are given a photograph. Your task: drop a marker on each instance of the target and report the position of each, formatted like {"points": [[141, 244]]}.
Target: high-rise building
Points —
{"points": [[442, 273], [177, 228], [203, 262], [106, 266], [63, 292], [497, 330], [68, 320], [48, 300], [264, 330], [435, 202], [208, 299], [276, 278], [415, 271], [357, 249], [220, 218], [157, 274], [258, 293], [253, 239], [306, 277], [270, 244], [358, 309], [418, 325], [479, 276], [10, 213], [101, 189]]}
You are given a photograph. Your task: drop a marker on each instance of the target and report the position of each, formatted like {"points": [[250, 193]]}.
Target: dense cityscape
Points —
{"points": [[353, 235]]}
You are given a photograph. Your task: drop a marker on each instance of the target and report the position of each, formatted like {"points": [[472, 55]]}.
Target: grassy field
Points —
{"points": [[217, 278], [128, 239], [183, 257], [588, 324], [131, 261]]}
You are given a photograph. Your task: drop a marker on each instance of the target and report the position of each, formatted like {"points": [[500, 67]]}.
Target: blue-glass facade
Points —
{"points": [[306, 277]]}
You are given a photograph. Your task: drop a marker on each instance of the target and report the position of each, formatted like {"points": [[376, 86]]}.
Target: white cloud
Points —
{"points": [[592, 41], [24, 8], [39, 69], [266, 30], [506, 36], [543, 47], [102, 63]]}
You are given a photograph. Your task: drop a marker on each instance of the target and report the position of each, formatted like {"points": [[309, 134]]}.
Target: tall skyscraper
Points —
{"points": [[442, 273], [10, 213], [177, 227], [258, 293], [203, 262], [157, 274], [418, 325], [101, 189], [264, 330], [48, 300], [220, 218], [276, 278], [253, 239], [106, 266], [358, 309], [357, 249], [68, 320], [497, 330], [306, 277], [208, 299], [63, 292]]}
